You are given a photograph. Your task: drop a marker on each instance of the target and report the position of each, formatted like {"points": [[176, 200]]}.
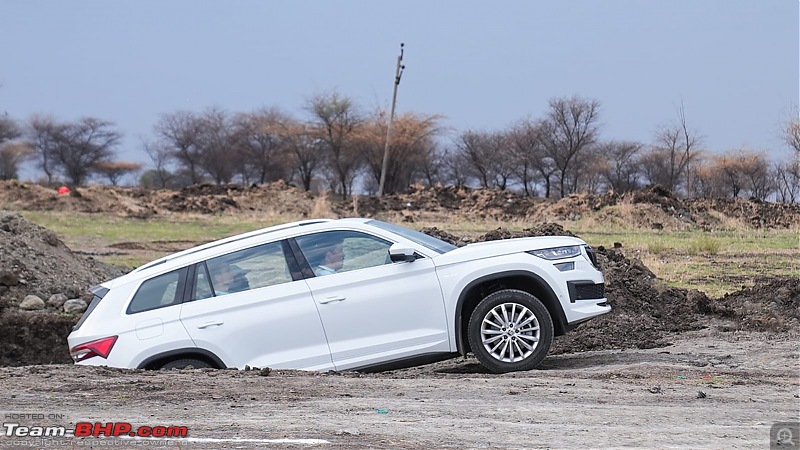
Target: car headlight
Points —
{"points": [[557, 252]]}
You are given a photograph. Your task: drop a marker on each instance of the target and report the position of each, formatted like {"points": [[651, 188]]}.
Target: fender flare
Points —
{"points": [[559, 319], [188, 351]]}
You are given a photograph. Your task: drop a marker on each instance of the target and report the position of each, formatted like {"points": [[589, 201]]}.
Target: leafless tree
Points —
{"points": [[263, 148], [179, 132], [75, 148], [791, 132], [217, 145], [676, 145], [489, 156], [621, 168], [533, 163], [335, 119], [43, 134], [160, 155], [569, 128], [456, 167], [787, 176]]}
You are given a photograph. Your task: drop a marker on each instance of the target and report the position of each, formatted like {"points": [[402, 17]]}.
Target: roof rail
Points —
{"points": [[230, 239]]}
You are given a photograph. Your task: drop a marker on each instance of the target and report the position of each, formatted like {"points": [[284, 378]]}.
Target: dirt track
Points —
{"points": [[610, 398]]}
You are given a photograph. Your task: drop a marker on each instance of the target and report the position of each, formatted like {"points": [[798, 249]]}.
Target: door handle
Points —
{"points": [[209, 324], [335, 298]]}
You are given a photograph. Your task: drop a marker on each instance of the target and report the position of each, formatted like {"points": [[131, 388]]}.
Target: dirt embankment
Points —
{"points": [[652, 207]]}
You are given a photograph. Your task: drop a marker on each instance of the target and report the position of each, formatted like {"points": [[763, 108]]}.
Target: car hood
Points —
{"points": [[501, 247]]}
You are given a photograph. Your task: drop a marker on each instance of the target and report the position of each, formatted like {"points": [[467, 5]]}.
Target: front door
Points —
{"points": [[374, 311]]}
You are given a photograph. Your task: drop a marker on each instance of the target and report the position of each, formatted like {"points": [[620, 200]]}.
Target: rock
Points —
{"points": [[56, 300], [32, 303], [8, 278], [75, 306]]}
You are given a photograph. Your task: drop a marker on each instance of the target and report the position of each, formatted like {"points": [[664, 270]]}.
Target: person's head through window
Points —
{"points": [[328, 257], [222, 278]]}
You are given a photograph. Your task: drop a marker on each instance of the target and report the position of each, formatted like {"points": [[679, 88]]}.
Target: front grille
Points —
{"points": [[586, 291]]}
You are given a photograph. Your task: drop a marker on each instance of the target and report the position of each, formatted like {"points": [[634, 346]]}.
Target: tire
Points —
{"points": [[522, 346], [184, 363]]}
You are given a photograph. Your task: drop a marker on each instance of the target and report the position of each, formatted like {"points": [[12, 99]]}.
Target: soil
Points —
{"points": [[633, 377], [707, 390]]}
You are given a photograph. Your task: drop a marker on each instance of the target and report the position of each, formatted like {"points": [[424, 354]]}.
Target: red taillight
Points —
{"points": [[100, 347]]}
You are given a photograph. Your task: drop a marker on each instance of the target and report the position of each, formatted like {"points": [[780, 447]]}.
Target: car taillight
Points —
{"points": [[100, 347]]}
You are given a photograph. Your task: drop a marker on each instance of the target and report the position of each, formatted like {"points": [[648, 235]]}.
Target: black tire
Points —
{"points": [[509, 350], [184, 363]]}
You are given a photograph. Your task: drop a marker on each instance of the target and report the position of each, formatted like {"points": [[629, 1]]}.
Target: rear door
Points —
{"points": [[373, 310], [267, 318]]}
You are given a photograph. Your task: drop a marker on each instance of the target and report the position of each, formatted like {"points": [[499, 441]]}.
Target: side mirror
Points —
{"points": [[401, 253]]}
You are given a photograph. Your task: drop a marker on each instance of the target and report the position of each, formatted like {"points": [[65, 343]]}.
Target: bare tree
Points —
{"points": [[489, 156], [79, 146], [744, 172], [456, 167], [621, 168], [114, 170], [787, 176], [305, 150], [160, 156], [534, 163], [261, 142], [791, 132], [569, 128], [676, 145], [336, 119], [179, 132], [217, 145], [43, 134]]}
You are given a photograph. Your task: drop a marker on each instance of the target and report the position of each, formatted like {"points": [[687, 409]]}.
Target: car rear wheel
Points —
{"points": [[510, 330], [184, 363]]}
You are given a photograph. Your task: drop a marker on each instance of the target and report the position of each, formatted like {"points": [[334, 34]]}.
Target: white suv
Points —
{"points": [[348, 294]]}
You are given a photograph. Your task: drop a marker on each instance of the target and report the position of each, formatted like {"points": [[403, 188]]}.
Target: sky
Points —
{"points": [[732, 64]]}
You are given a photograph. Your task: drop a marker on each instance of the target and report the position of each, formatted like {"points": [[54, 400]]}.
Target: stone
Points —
{"points": [[75, 306], [57, 300], [32, 303], [8, 278]]}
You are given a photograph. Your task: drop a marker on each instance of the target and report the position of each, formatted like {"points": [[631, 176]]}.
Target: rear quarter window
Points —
{"points": [[158, 292]]}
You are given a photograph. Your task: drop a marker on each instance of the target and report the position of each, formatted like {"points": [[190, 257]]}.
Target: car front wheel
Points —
{"points": [[510, 330]]}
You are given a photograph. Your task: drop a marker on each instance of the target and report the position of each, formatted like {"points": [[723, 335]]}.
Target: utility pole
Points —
{"points": [[384, 167]]}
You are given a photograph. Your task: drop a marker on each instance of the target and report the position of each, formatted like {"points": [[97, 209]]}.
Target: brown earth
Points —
{"points": [[651, 207]]}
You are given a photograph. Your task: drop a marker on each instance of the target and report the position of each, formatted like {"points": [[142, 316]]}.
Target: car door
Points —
{"points": [[265, 316], [373, 310]]}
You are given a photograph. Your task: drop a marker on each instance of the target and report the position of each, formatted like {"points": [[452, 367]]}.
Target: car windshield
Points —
{"points": [[437, 245]]}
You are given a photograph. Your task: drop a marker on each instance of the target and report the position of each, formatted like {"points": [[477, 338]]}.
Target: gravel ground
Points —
{"points": [[708, 390]]}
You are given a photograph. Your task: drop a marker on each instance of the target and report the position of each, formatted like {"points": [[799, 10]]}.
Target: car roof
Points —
{"points": [[228, 240]]}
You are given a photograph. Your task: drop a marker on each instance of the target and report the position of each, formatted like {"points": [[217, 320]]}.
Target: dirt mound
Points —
{"points": [[34, 261], [772, 304]]}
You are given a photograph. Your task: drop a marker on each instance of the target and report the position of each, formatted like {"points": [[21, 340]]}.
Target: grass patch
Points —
{"points": [[705, 245]]}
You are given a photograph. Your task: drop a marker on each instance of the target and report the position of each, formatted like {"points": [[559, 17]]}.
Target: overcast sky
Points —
{"points": [[483, 65]]}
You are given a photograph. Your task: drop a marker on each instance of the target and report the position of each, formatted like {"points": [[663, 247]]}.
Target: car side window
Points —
{"points": [[251, 268], [332, 252], [158, 292]]}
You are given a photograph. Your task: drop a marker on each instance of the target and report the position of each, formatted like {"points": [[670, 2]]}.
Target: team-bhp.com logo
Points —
{"points": [[96, 429]]}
